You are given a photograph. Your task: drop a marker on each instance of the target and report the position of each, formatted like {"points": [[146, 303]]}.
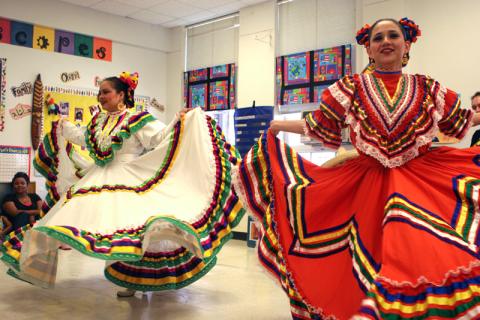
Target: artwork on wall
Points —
{"points": [[23, 89], [210, 88], [48, 39], [3, 85], [302, 77], [20, 111]]}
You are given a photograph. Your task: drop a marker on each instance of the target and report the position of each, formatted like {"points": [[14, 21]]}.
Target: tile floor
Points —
{"points": [[236, 288]]}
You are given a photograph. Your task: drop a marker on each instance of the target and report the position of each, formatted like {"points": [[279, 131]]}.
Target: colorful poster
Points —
{"points": [[64, 42], [198, 96], [21, 34], [210, 88], [297, 68], [43, 38], [219, 95], [198, 75], [300, 82], [218, 71], [297, 96], [4, 30]]}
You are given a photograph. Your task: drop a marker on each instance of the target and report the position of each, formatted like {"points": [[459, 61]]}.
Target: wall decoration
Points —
{"points": [[20, 111], [23, 89], [210, 88], [44, 38], [70, 76], [49, 39], [37, 120], [157, 105], [302, 77], [3, 85], [13, 160], [96, 81]]}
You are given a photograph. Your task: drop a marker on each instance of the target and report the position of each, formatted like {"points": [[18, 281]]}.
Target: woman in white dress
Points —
{"points": [[154, 201]]}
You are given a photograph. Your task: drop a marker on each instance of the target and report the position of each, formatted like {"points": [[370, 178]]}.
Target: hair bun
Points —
{"points": [[411, 29], [130, 79], [362, 35]]}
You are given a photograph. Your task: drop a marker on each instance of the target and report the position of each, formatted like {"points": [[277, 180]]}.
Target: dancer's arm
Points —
{"points": [[293, 126]]}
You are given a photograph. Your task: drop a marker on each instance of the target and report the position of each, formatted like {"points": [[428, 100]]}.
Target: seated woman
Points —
{"points": [[21, 207]]}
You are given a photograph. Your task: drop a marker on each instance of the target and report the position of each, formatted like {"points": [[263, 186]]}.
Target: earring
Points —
{"points": [[371, 63], [405, 59], [121, 106]]}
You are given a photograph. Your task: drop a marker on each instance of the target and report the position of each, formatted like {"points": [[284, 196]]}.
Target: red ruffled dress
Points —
{"points": [[390, 234]]}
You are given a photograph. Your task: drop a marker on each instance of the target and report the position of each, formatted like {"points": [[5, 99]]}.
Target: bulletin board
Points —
{"points": [[12, 160]]}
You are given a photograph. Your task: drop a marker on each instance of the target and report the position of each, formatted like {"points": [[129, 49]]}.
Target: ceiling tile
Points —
{"points": [[150, 17], [204, 15], [86, 3], [175, 23], [251, 2], [114, 7], [228, 8], [207, 4], [143, 4], [175, 9]]}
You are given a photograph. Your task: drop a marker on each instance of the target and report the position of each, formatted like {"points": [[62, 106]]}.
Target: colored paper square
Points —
{"points": [[102, 49], [64, 42], [219, 71], [219, 95], [5, 30], [83, 45], [43, 38], [296, 96], [21, 34], [198, 75], [198, 96], [297, 68]]}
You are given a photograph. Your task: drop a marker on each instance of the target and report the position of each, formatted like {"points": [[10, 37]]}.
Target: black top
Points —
{"points": [[475, 138], [20, 206]]}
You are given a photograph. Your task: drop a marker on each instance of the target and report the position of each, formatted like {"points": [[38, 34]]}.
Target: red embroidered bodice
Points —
{"points": [[393, 117]]}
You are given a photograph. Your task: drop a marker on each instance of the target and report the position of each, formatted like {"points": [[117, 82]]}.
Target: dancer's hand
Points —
{"points": [[184, 111], [275, 127]]}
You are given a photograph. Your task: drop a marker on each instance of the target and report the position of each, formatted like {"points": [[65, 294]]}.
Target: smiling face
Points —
{"points": [[476, 104], [109, 98], [20, 186], [387, 46]]}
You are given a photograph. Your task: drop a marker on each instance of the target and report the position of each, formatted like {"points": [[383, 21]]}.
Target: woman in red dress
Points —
{"points": [[392, 233]]}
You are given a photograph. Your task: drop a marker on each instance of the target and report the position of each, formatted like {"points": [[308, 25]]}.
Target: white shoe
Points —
{"points": [[127, 293]]}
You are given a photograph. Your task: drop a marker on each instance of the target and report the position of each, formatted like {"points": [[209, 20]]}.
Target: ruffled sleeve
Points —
{"points": [[454, 121], [326, 123], [153, 133], [72, 133]]}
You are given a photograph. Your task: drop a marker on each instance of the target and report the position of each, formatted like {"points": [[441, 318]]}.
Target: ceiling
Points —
{"points": [[166, 13]]}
